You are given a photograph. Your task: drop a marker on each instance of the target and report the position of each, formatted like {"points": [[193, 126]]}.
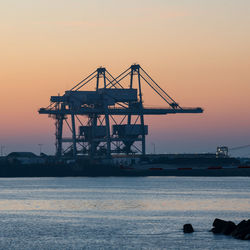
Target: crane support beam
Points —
{"points": [[120, 111]]}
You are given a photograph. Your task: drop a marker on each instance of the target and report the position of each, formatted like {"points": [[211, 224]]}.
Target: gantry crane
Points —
{"points": [[113, 114]]}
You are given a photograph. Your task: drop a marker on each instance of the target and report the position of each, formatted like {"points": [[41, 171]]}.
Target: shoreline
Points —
{"points": [[62, 170]]}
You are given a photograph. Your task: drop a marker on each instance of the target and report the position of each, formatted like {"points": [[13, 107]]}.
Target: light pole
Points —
{"points": [[2, 147], [40, 148], [153, 144]]}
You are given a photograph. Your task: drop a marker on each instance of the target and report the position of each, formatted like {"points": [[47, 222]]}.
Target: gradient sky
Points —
{"points": [[197, 50]]}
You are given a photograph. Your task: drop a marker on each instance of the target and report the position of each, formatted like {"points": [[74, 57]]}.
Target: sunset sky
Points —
{"points": [[197, 50]]}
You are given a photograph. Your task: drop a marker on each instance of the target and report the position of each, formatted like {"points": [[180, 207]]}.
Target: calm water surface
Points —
{"points": [[120, 213]]}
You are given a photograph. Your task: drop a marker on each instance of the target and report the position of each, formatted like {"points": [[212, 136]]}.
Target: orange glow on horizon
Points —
{"points": [[199, 54]]}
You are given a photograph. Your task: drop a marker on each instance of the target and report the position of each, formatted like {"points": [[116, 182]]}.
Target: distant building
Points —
{"points": [[222, 152], [24, 158]]}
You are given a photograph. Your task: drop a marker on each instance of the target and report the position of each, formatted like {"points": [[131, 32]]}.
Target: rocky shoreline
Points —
{"points": [[240, 231]]}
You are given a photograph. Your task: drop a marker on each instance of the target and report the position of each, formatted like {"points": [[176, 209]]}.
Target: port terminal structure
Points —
{"points": [[110, 117]]}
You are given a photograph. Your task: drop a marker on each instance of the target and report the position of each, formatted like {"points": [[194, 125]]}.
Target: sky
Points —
{"points": [[197, 50]]}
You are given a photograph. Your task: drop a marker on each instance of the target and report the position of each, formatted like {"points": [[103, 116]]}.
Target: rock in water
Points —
{"points": [[188, 228], [229, 228], [242, 230], [223, 227], [219, 226]]}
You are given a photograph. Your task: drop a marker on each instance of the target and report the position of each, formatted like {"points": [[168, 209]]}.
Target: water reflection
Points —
{"points": [[115, 213]]}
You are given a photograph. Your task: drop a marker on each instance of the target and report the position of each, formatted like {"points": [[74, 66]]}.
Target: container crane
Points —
{"points": [[113, 114]]}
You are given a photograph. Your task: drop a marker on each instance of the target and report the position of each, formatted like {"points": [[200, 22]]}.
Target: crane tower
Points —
{"points": [[108, 119]]}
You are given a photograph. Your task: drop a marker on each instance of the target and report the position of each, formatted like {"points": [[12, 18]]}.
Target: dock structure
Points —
{"points": [[110, 118]]}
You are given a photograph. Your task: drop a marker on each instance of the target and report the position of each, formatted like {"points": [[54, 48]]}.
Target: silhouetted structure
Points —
{"points": [[114, 114]]}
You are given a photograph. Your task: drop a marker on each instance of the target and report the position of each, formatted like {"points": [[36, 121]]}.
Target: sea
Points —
{"points": [[120, 212]]}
